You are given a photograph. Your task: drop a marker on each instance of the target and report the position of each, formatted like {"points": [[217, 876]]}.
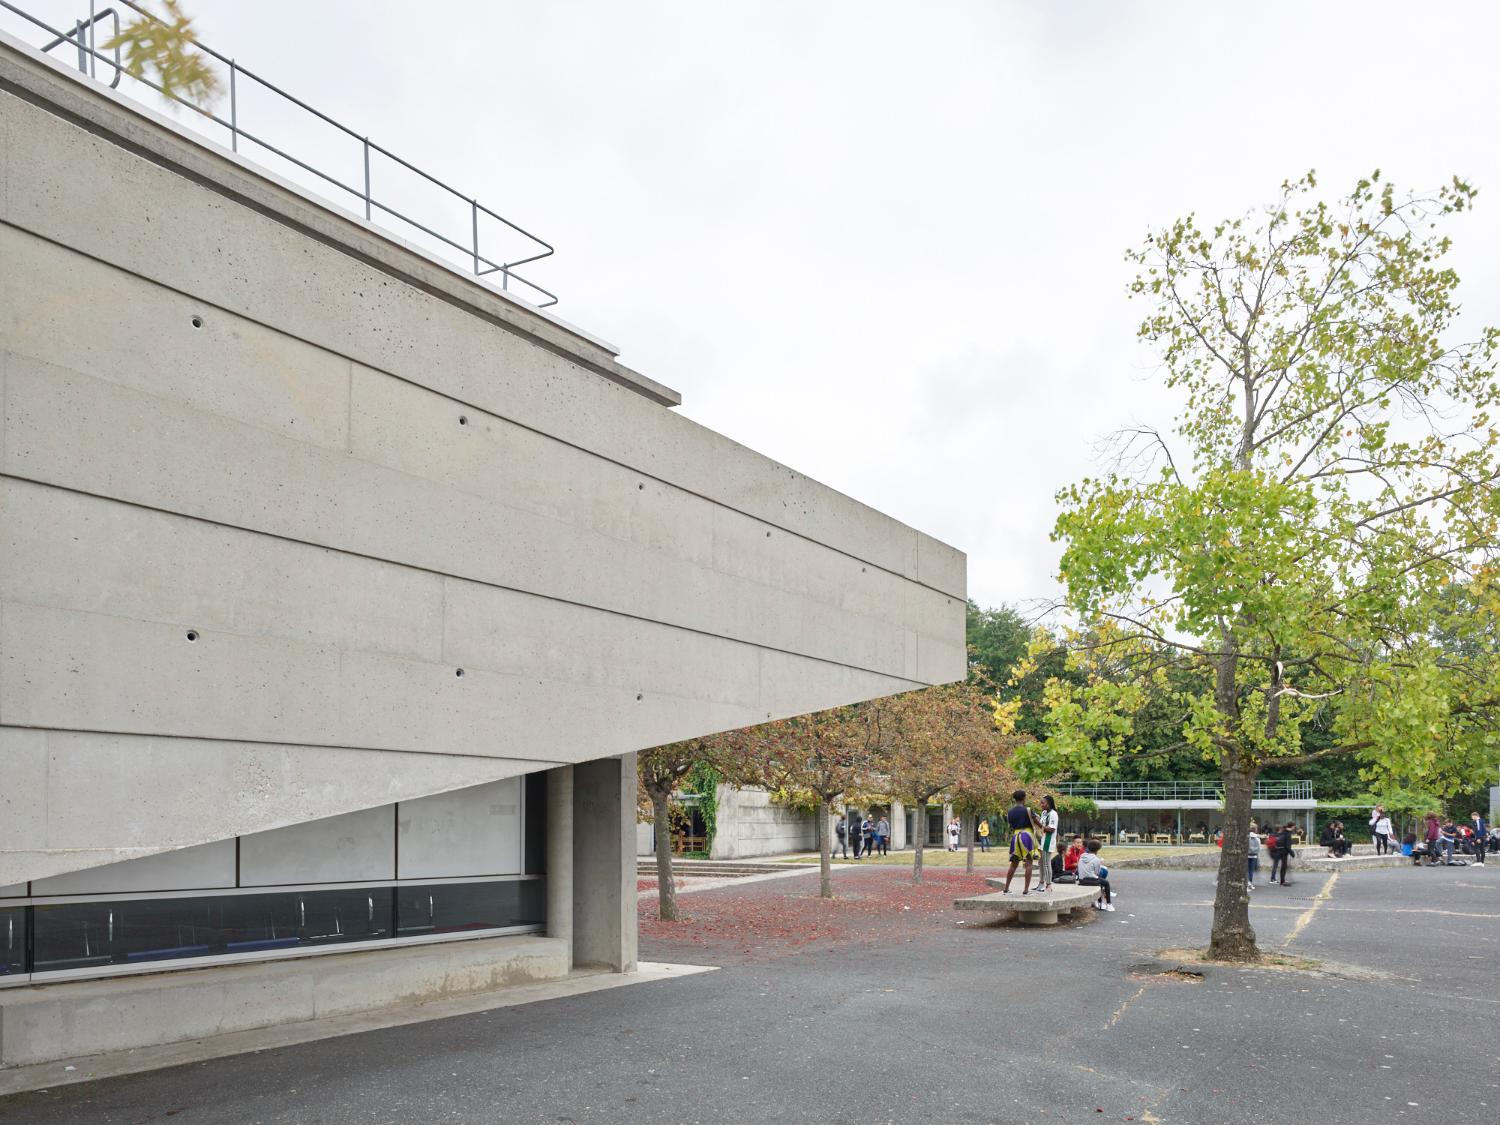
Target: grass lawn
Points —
{"points": [[998, 857]]}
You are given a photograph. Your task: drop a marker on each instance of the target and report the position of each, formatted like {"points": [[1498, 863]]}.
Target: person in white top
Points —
{"points": [[953, 835], [1380, 827], [1252, 857], [1048, 821]]}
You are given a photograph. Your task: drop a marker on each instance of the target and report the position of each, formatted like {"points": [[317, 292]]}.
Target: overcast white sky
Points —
{"points": [[882, 243]]}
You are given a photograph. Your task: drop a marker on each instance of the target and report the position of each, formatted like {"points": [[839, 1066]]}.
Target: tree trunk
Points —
{"points": [[1232, 938], [825, 857], [666, 888], [966, 823], [918, 841]]}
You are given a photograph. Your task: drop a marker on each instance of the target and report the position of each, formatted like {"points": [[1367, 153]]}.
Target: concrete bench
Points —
{"points": [[1039, 908]]}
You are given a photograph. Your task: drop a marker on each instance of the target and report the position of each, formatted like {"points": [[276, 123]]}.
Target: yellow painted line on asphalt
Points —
{"points": [[1363, 909], [1301, 924], [1120, 1011]]}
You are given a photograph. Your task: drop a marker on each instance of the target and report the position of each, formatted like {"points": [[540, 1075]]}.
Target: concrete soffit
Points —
{"points": [[155, 137]]}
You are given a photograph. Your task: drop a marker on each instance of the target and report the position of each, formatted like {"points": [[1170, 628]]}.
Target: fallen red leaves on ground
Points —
{"points": [[780, 916]]}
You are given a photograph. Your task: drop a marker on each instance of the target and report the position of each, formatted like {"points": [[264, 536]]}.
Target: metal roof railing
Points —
{"points": [[1204, 790], [82, 38]]}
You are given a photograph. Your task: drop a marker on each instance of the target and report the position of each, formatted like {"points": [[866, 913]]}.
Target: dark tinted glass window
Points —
{"points": [[80, 935], [445, 908]]}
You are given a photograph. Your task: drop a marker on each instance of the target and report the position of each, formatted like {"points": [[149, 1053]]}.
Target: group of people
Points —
{"points": [[1276, 842], [867, 837], [1335, 841], [1033, 839], [1443, 839]]}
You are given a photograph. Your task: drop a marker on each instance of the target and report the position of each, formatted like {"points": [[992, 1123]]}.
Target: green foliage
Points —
{"points": [[1078, 808], [997, 639], [703, 779], [1311, 573], [163, 46]]}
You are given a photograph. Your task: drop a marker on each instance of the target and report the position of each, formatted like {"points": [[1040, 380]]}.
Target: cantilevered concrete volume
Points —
{"points": [[322, 567]]}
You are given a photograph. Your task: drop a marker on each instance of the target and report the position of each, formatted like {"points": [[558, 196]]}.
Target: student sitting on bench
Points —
{"points": [[1092, 873]]}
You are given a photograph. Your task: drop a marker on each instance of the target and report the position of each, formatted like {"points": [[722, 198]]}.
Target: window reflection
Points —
{"points": [[445, 908], [82, 935], [12, 940]]}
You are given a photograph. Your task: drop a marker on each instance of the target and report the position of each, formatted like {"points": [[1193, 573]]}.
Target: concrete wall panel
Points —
{"points": [[201, 867], [349, 848], [751, 824], [271, 272], [406, 427], [68, 550], [143, 336], [92, 671], [505, 631], [149, 451], [78, 799], [473, 831]]}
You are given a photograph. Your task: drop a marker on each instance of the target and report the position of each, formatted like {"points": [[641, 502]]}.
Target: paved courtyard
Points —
{"points": [[863, 1011]]}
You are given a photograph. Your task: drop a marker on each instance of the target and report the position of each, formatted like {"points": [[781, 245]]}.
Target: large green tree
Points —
{"points": [[1287, 562]]}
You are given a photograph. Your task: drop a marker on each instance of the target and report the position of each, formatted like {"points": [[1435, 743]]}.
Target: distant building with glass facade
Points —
{"points": [[1180, 812]]}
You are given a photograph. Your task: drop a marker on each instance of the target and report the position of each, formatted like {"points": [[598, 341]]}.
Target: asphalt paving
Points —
{"points": [[939, 1021]]}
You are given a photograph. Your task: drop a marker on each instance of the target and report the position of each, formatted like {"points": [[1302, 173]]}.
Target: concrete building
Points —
{"points": [[750, 824], [338, 589]]}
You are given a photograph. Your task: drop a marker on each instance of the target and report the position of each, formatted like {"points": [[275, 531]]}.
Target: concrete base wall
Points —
{"points": [[57, 1021]]}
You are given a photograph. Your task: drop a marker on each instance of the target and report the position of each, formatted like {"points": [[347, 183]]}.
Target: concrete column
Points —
{"points": [[560, 855], [898, 825], [604, 919]]}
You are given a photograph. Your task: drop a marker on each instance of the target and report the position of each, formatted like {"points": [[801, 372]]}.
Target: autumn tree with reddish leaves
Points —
{"points": [[947, 740], [658, 772], [810, 760]]}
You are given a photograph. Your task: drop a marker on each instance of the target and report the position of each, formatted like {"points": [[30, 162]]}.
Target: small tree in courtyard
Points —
{"points": [[1295, 541], [660, 771], [811, 759], [953, 739]]}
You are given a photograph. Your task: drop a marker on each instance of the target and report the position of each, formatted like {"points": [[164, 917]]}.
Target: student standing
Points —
{"points": [[1284, 846], [953, 835], [1048, 824], [883, 835], [1023, 836], [841, 837], [867, 836], [1380, 828], [1481, 837], [984, 834], [1252, 858]]}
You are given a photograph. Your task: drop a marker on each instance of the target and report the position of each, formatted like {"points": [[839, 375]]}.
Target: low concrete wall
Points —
{"points": [[751, 824], [58, 1021], [1209, 861]]}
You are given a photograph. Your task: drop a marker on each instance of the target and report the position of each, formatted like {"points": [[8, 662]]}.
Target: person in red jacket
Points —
{"points": [[1070, 857]]}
